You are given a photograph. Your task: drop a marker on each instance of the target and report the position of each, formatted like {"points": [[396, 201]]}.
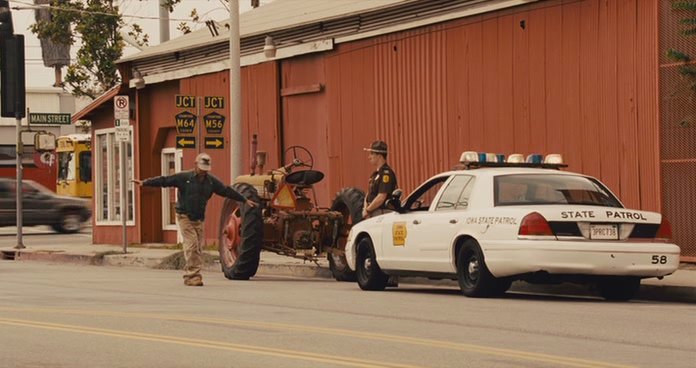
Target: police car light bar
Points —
{"points": [[472, 159]]}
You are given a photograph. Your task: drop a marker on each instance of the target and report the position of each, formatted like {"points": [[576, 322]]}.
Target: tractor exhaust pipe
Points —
{"points": [[254, 144]]}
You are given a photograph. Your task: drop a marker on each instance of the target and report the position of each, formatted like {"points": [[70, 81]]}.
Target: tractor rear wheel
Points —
{"points": [[349, 202], [240, 235]]}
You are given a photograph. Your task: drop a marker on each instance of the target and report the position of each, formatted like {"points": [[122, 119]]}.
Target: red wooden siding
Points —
{"points": [[155, 130], [260, 113], [567, 82], [305, 115]]}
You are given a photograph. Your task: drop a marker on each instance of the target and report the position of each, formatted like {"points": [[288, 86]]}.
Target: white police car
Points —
{"points": [[514, 220]]}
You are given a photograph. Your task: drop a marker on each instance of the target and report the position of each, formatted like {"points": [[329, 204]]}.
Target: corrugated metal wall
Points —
{"points": [[261, 113], [304, 111], [577, 78], [678, 130]]}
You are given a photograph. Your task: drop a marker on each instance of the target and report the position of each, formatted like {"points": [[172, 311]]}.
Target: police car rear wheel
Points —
{"points": [[369, 275], [472, 273]]}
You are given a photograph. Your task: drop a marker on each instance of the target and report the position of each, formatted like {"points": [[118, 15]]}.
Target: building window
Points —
{"points": [[8, 155], [171, 164], [108, 179]]}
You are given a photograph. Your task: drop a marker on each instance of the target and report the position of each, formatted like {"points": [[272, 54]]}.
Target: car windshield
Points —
{"points": [[536, 189]]}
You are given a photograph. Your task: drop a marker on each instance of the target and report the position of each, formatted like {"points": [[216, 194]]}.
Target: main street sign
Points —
{"points": [[49, 118], [214, 123], [185, 142], [214, 142], [185, 122]]}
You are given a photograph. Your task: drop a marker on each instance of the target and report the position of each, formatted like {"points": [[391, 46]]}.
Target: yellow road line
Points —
{"points": [[210, 344], [510, 353]]}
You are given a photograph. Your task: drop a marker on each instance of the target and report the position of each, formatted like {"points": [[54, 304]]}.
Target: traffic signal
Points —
{"points": [[6, 29], [12, 86]]}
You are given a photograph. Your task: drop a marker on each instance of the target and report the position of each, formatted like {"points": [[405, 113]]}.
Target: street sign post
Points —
{"points": [[122, 123]]}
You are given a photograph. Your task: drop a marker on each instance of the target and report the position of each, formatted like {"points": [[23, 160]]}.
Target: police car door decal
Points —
{"points": [[399, 234]]}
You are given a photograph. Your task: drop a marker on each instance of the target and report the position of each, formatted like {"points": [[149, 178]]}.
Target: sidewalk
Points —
{"points": [[678, 287]]}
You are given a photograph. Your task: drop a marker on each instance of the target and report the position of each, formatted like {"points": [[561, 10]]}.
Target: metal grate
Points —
{"points": [[678, 130]]}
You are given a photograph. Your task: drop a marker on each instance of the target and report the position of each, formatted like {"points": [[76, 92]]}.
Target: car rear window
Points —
{"points": [[545, 189]]}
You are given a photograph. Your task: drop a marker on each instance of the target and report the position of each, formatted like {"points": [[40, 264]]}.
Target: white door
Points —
{"points": [[172, 162]]}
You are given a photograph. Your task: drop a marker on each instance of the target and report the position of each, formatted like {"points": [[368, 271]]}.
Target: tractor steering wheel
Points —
{"points": [[298, 157]]}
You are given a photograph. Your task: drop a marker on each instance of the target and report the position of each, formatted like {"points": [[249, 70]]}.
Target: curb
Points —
{"points": [[666, 293]]}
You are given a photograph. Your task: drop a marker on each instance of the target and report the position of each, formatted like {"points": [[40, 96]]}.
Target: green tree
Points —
{"points": [[687, 69], [97, 23]]}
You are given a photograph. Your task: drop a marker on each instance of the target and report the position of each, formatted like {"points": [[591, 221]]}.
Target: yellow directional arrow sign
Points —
{"points": [[214, 142], [185, 142]]}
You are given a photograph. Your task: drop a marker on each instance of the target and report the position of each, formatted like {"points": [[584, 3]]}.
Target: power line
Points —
{"points": [[30, 6]]}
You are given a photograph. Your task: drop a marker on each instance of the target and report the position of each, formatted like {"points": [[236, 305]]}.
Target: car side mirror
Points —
{"points": [[394, 202]]}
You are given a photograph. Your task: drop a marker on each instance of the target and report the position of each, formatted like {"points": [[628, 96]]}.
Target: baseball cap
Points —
{"points": [[377, 147], [203, 161]]}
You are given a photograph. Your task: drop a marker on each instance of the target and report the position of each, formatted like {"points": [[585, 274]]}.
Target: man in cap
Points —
{"points": [[382, 182], [195, 189]]}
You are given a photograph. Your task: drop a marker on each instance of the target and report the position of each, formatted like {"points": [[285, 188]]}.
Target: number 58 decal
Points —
{"points": [[658, 259]]}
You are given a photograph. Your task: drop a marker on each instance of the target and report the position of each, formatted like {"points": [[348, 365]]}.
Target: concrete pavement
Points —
{"points": [[680, 286]]}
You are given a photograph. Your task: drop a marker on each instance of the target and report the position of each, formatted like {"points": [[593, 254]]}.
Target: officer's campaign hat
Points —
{"points": [[377, 147]]}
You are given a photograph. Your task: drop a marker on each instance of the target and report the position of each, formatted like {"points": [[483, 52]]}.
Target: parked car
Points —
{"points": [[494, 223], [40, 206]]}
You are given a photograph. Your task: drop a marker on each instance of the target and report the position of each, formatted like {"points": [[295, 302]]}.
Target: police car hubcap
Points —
{"points": [[368, 264], [473, 268]]}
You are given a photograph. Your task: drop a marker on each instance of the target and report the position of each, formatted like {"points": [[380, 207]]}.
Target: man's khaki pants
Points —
{"points": [[192, 231]]}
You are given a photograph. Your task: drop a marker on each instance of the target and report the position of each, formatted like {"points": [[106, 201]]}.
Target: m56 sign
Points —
{"points": [[214, 123]]}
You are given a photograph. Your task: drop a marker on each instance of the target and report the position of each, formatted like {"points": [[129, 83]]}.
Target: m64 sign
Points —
{"points": [[185, 122]]}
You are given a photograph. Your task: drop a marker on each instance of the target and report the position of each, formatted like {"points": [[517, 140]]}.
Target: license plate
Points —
{"points": [[604, 232]]}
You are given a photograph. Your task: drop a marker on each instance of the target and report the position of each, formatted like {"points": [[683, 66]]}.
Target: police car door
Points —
{"points": [[444, 223], [407, 233]]}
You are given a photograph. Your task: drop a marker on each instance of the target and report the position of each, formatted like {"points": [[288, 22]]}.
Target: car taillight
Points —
{"points": [[664, 232], [535, 225]]}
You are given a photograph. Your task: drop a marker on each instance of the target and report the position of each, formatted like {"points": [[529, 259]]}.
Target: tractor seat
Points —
{"points": [[304, 177]]}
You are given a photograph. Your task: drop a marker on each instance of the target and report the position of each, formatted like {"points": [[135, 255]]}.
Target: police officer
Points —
{"points": [[195, 189], [382, 182]]}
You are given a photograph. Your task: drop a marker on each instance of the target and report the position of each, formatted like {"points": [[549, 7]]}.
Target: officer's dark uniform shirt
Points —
{"points": [[194, 193], [382, 181]]}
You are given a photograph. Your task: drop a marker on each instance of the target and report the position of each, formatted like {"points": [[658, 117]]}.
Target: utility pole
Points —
{"points": [[235, 94]]}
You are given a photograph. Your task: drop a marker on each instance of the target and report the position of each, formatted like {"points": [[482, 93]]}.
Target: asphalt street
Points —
{"points": [[58, 315]]}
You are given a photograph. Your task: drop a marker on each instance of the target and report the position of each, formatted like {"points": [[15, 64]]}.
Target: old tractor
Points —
{"points": [[288, 221]]}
